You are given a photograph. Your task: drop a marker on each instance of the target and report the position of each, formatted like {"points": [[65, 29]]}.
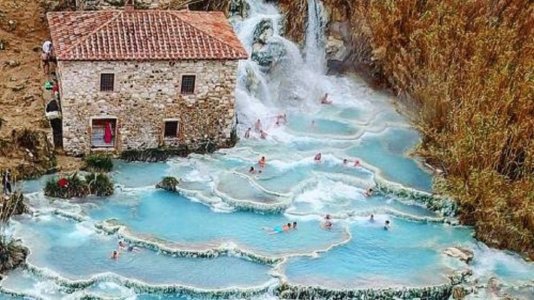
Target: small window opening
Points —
{"points": [[107, 82], [171, 129], [188, 84]]}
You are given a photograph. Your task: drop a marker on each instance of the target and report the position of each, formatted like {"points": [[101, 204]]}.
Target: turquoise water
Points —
{"points": [[406, 255], [212, 238]]}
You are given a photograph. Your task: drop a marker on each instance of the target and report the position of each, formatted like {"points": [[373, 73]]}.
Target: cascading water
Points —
{"points": [[315, 41], [212, 239]]}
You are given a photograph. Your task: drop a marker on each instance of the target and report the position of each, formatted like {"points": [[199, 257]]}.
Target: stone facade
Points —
{"points": [[146, 93]]}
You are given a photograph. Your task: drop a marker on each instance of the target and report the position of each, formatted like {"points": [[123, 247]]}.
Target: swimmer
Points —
{"points": [[132, 249], [115, 255], [257, 126], [345, 161], [278, 229], [262, 162], [368, 192], [356, 163], [324, 99], [122, 245], [252, 170], [263, 134], [281, 119], [317, 157], [287, 227], [294, 225], [247, 133], [386, 225], [327, 223], [372, 218]]}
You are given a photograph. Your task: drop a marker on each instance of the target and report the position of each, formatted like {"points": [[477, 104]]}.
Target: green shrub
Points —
{"points": [[154, 154], [98, 163], [99, 184], [75, 187]]}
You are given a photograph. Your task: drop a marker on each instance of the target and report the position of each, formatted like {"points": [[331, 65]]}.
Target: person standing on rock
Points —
{"points": [[6, 182], [46, 56]]}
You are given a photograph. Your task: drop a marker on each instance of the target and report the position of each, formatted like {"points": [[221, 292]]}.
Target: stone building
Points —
{"points": [[139, 79]]}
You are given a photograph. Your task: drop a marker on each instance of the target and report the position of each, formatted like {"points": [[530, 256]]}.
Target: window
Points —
{"points": [[188, 84], [103, 133], [171, 129], [107, 82]]}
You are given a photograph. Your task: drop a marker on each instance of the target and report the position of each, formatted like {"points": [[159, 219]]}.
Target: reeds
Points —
{"points": [[469, 66]]}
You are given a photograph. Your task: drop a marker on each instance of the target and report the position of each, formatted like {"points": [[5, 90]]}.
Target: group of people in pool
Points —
{"points": [[387, 223], [326, 223], [123, 247]]}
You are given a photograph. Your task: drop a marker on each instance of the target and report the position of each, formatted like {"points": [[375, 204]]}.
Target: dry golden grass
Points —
{"points": [[469, 65]]}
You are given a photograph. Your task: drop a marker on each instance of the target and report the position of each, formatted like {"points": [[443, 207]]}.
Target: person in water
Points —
{"points": [[278, 229], [368, 192], [356, 163], [262, 162], [294, 225], [247, 133], [387, 226], [345, 161], [263, 134], [317, 157], [122, 245], [257, 126], [327, 222], [324, 99], [115, 255], [372, 218], [131, 248], [252, 170]]}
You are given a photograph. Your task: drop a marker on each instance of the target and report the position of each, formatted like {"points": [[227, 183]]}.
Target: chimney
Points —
{"points": [[129, 5]]}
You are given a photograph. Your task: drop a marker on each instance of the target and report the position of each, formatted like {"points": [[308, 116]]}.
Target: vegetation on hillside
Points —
{"points": [[12, 253], [469, 66]]}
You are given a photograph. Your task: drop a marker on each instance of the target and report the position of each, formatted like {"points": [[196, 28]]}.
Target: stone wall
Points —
{"points": [[145, 94]]}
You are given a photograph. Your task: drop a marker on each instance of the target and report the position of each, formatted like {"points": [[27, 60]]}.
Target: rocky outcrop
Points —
{"points": [[463, 254], [266, 51], [168, 183], [12, 254], [32, 150], [348, 37]]}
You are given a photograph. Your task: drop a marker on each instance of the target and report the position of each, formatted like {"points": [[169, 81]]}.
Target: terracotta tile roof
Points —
{"points": [[143, 35]]}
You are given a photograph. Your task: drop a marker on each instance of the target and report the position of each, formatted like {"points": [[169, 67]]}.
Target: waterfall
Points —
{"points": [[279, 75], [315, 45]]}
